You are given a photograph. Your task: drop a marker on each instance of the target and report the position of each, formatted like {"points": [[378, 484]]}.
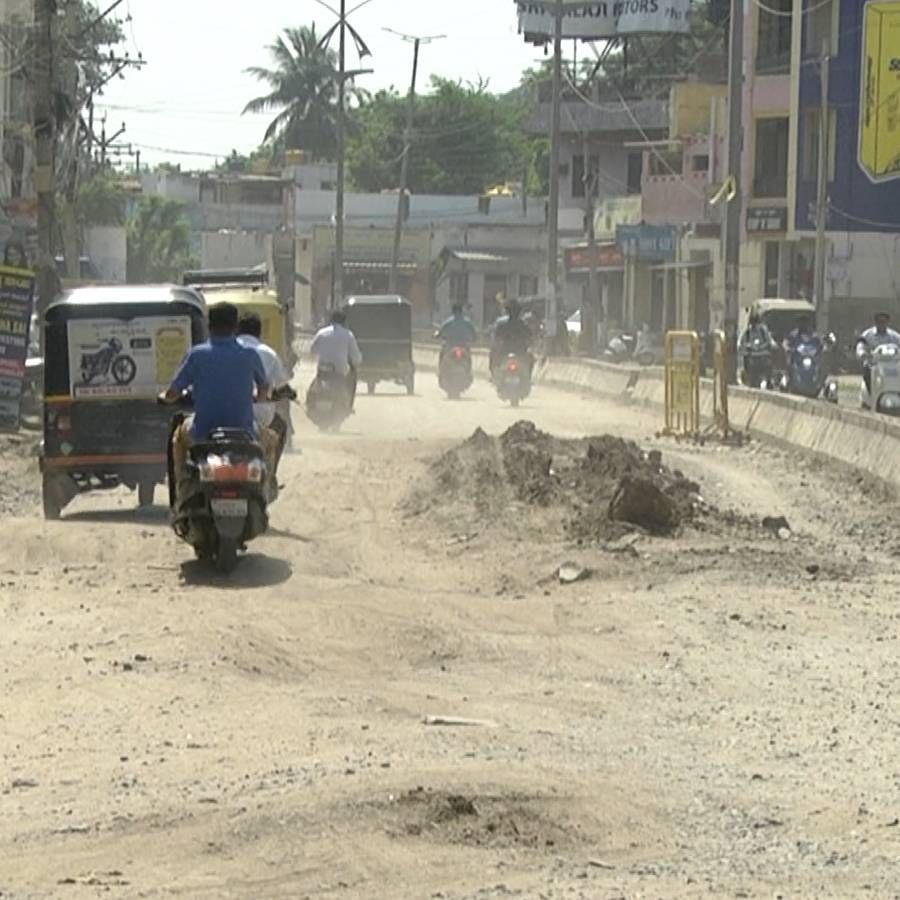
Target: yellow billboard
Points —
{"points": [[879, 127]]}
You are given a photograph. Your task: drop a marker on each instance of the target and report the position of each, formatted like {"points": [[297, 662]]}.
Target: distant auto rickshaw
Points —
{"points": [[249, 291], [383, 329], [108, 352]]}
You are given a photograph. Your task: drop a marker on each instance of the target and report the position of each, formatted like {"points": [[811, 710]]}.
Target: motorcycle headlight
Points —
{"points": [[807, 362], [889, 401]]}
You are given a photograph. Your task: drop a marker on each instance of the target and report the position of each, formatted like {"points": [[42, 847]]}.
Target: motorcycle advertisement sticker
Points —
{"points": [[16, 301], [113, 358]]}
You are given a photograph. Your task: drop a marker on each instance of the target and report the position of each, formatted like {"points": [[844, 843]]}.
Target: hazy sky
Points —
{"points": [[189, 96]]}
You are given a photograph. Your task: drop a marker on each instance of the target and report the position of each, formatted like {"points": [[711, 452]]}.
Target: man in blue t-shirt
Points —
{"points": [[221, 375]]}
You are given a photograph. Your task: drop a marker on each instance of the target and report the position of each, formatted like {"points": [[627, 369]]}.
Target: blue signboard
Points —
{"points": [[16, 299], [653, 242]]}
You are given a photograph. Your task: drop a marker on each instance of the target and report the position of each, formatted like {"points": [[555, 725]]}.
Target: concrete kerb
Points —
{"points": [[858, 439]]}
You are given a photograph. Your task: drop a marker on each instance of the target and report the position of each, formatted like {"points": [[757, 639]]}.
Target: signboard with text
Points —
{"points": [[879, 128], [601, 19], [651, 242], [16, 302], [766, 219], [605, 256]]}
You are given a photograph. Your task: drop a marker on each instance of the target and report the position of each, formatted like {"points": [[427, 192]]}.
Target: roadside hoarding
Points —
{"points": [[16, 302], [591, 21], [879, 129], [114, 358]]}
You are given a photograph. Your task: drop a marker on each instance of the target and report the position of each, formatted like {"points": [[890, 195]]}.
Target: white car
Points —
{"points": [[573, 324]]}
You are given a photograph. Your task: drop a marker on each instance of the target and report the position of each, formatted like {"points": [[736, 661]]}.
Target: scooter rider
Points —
{"points": [[511, 336], [336, 345], [879, 334], [756, 330], [457, 331], [804, 333]]}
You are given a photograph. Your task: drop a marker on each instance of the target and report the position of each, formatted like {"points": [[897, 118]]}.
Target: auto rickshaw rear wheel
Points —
{"points": [[371, 387], [51, 497], [411, 385]]}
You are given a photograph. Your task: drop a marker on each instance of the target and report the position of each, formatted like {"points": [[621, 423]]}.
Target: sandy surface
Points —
{"points": [[713, 714]]}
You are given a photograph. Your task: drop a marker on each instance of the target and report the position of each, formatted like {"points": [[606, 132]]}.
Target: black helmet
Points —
{"points": [[513, 309], [338, 317]]}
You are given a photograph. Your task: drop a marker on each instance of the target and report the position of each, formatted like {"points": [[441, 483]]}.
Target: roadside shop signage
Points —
{"points": [[16, 303], [591, 21]]}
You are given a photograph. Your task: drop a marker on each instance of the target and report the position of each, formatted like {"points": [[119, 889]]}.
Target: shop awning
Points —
{"points": [[478, 256], [680, 266], [376, 265]]}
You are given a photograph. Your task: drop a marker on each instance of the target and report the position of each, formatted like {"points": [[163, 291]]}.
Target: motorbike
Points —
{"points": [[514, 379], [884, 376], [327, 400], [225, 501], [109, 359], [805, 375], [455, 372], [758, 364]]}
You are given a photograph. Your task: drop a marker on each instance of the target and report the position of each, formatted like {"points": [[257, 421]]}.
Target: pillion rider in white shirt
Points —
{"points": [[335, 345], [267, 415]]}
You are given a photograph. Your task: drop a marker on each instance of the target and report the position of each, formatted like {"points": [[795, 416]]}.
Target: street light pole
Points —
{"points": [[337, 299], [407, 139], [734, 205], [822, 193], [553, 224]]}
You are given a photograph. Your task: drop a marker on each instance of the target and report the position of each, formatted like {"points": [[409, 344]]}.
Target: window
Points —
{"points": [[773, 41], [821, 26], [666, 162], [773, 259], [810, 159], [528, 285], [459, 287], [578, 179], [700, 163], [635, 172], [771, 162]]}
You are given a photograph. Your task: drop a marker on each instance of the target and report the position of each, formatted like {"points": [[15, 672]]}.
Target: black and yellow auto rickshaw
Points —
{"points": [[249, 291], [383, 329], [108, 352]]}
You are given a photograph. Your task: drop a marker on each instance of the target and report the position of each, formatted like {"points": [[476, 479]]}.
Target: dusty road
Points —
{"points": [[713, 714]]}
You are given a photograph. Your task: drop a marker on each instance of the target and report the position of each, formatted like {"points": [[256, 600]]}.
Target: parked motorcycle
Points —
{"points": [[109, 360], [513, 379], [327, 400], [884, 375], [805, 375], [758, 366], [455, 372]]}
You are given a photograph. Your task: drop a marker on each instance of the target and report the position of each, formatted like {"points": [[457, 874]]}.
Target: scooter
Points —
{"points": [[758, 371], [805, 375], [455, 372], [514, 379], [327, 400], [884, 376]]}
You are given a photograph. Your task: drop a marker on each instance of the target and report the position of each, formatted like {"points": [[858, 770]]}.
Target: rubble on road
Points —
{"points": [[605, 487]]}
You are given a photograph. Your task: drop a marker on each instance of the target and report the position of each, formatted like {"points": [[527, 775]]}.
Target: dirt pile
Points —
{"points": [[603, 486], [20, 487]]}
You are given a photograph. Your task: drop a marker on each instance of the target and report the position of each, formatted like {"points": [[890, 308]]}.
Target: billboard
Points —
{"points": [[16, 300], [113, 358], [601, 19], [879, 107]]}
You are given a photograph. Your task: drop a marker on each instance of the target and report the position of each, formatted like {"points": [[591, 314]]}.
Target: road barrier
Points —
{"points": [[682, 367], [863, 440]]}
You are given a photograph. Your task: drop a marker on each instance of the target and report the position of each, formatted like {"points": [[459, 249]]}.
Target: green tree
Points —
{"points": [[99, 201], [303, 90], [159, 241], [465, 140]]}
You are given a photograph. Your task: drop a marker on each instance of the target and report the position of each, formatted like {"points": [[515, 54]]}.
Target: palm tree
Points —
{"points": [[304, 90]]}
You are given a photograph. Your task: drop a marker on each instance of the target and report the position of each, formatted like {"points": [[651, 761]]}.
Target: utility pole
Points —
{"points": [[553, 224], [338, 299], [407, 138], [45, 148], [734, 207], [822, 192], [589, 307]]}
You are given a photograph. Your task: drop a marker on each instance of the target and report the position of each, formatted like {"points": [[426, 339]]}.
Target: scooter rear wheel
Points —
{"points": [[226, 555]]}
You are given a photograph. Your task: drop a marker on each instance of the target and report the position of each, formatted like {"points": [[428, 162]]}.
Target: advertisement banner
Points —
{"points": [[601, 19], [879, 129], [653, 242], [113, 358], [16, 303]]}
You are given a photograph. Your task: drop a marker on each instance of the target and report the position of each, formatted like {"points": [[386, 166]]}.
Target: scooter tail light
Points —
{"points": [[512, 366]]}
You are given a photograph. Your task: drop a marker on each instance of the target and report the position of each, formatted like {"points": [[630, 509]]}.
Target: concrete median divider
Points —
{"points": [[865, 441]]}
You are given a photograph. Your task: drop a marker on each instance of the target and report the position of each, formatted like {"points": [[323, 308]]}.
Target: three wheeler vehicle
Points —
{"points": [[383, 329], [108, 352]]}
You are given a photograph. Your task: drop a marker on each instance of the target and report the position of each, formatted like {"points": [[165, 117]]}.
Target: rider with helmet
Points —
{"points": [[511, 336]]}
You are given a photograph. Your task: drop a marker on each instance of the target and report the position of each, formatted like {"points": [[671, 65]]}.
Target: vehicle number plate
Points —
{"points": [[513, 382], [229, 508]]}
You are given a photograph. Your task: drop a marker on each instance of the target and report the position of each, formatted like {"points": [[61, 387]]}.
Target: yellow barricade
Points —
{"points": [[682, 384], [720, 384]]}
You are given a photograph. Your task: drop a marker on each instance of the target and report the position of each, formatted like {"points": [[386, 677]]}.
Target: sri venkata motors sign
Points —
{"points": [[603, 18]]}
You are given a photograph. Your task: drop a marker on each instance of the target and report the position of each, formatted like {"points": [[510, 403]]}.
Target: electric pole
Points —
{"points": [[822, 192], [734, 207], [407, 138], [589, 307], [553, 224], [44, 125]]}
